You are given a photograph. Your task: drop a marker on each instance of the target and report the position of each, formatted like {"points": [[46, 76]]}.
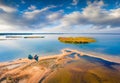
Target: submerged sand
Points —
{"points": [[71, 66]]}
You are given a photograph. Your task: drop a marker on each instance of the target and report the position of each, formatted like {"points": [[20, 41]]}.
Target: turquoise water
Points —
{"points": [[21, 48]]}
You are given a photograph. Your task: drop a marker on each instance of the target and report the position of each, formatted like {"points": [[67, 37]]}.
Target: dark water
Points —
{"points": [[20, 48]]}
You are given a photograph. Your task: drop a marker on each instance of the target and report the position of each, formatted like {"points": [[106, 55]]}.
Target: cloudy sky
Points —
{"points": [[80, 16]]}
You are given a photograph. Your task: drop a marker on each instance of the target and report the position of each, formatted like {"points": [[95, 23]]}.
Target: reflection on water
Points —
{"points": [[21, 48]]}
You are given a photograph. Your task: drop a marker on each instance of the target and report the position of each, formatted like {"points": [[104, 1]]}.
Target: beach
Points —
{"points": [[61, 68], [59, 41]]}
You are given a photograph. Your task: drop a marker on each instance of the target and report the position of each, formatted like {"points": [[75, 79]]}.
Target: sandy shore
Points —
{"points": [[16, 66], [30, 71], [98, 55]]}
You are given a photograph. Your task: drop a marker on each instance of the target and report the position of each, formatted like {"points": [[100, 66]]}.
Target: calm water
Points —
{"points": [[21, 48]]}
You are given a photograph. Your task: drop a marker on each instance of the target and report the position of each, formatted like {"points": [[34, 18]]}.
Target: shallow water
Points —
{"points": [[20, 48]]}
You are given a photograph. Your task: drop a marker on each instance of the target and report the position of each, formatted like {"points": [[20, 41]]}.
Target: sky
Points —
{"points": [[56, 16]]}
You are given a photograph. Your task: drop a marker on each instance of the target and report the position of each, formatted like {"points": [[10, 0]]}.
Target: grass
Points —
{"points": [[34, 37], [76, 40]]}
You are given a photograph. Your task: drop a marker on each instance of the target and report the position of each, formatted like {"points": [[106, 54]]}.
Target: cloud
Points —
{"points": [[55, 16], [27, 21], [32, 7], [75, 2], [96, 15], [93, 15], [92, 18], [32, 14], [7, 9]]}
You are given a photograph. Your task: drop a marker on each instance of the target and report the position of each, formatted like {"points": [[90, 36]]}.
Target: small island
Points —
{"points": [[14, 36], [34, 37], [76, 40]]}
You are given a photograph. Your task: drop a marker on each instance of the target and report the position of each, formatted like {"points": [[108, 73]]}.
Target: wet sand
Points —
{"points": [[59, 69]]}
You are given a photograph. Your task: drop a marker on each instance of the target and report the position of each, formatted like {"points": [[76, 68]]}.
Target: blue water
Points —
{"points": [[21, 48]]}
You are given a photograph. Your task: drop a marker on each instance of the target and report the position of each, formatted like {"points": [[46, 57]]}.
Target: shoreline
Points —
{"points": [[88, 53], [62, 53], [98, 55], [31, 71]]}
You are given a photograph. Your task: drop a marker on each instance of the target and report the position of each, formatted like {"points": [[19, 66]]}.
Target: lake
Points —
{"points": [[16, 48]]}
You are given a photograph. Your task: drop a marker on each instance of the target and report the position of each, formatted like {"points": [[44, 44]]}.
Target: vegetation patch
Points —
{"points": [[76, 40]]}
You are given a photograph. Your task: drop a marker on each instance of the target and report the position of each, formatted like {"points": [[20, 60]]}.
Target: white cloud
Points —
{"points": [[32, 7], [7, 9], [32, 14], [28, 21], [92, 18], [6, 27], [55, 16], [93, 14], [75, 2], [115, 13]]}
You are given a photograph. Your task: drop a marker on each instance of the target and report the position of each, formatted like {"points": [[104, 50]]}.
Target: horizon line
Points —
{"points": [[33, 33]]}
